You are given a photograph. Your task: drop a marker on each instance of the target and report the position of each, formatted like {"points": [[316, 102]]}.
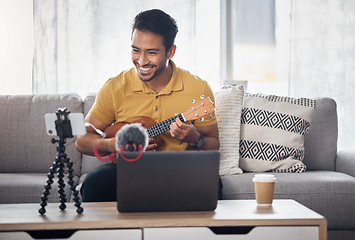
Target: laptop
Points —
{"points": [[168, 181]]}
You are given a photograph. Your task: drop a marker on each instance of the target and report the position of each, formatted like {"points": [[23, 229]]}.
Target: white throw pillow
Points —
{"points": [[228, 106], [272, 133]]}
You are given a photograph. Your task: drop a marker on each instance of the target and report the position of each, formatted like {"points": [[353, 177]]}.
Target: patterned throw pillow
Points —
{"points": [[272, 133], [228, 106]]}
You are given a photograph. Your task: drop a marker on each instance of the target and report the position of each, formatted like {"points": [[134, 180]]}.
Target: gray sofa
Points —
{"points": [[26, 153]]}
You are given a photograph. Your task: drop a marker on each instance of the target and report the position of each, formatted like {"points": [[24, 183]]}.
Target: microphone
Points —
{"points": [[132, 137]]}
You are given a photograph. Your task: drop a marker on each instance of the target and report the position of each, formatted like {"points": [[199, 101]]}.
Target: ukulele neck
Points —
{"points": [[163, 126]]}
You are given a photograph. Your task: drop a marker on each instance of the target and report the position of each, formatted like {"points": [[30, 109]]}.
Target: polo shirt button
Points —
{"points": [[156, 97], [156, 109]]}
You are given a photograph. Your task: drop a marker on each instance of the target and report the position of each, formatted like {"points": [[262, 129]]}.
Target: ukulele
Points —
{"points": [[197, 110]]}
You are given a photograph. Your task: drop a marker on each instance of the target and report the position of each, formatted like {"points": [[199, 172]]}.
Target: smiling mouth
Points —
{"points": [[145, 70]]}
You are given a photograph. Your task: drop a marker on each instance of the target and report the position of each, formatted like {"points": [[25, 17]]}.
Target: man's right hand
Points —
{"points": [[151, 145]]}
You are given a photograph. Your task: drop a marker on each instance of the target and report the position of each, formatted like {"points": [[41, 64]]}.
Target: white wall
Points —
{"points": [[16, 46], [323, 57]]}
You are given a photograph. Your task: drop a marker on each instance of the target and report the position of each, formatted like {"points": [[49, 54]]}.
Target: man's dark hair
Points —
{"points": [[158, 22]]}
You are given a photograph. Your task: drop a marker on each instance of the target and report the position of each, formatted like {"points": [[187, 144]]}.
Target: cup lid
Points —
{"points": [[264, 178]]}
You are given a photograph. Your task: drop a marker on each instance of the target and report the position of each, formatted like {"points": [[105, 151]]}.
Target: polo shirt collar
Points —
{"points": [[175, 84]]}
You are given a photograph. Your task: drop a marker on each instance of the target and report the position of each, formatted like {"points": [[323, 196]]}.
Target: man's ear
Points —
{"points": [[171, 52]]}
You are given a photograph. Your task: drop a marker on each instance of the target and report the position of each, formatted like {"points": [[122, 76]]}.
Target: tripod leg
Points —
{"points": [[72, 186], [47, 187], [61, 183], [58, 166]]}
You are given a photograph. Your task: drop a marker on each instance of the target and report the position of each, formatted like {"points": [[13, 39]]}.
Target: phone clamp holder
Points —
{"points": [[64, 131]]}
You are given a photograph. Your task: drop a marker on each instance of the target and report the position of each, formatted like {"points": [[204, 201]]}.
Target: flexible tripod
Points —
{"points": [[64, 131]]}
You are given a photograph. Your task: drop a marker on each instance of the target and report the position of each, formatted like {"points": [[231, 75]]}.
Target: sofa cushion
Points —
{"points": [[329, 193], [228, 105], [90, 162], [25, 146], [28, 188], [321, 140], [272, 133]]}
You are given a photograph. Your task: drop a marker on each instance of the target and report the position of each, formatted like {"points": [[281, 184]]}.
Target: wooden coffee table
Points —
{"points": [[233, 219]]}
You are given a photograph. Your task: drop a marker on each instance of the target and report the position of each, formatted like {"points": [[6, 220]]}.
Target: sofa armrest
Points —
{"points": [[345, 162]]}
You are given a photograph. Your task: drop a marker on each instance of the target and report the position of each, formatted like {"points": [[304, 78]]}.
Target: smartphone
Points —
{"points": [[77, 123]]}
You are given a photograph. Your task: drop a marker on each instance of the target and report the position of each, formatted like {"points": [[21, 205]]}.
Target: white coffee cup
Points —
{"points": [[264, 185]]}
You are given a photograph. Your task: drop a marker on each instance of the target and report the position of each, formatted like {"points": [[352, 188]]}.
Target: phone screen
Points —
{"points": [[77, 123]]}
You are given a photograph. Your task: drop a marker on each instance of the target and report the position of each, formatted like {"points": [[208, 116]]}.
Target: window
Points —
{"points": [[260, 44]]}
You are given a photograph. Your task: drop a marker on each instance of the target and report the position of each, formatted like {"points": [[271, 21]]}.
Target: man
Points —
{"points": [[156, 88]]}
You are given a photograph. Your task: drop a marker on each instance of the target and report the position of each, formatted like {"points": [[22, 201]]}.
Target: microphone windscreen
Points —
{"points": [[130, 134]]}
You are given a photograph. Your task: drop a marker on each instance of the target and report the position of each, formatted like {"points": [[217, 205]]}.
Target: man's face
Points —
{"points": [[148, 54]]}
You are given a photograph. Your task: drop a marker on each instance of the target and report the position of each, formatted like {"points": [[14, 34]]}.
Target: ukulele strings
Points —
{"points": [[163, 126]]}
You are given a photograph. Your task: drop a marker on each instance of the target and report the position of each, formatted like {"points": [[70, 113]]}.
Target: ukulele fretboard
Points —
{"points": [[163, 126]]}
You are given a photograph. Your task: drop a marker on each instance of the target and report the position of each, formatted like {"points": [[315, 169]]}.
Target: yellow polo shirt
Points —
{"points": [[125, 98]]}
